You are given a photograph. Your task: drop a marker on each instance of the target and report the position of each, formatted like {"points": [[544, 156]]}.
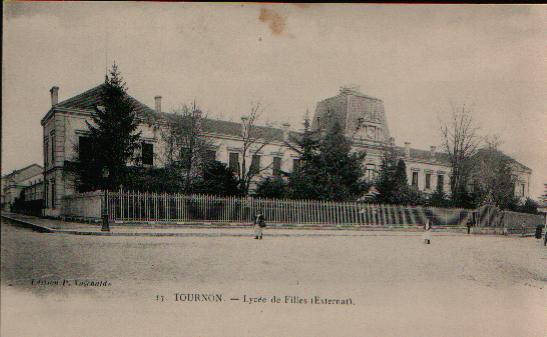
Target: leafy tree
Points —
{"points": [[386, 179], [271, 187], [302, 183], [154, 179], [402, 193], [529, 206], [217, 179], [328, 170], [438, 198], [492, 177], [393, 184], [19, 203], [113, 136]]}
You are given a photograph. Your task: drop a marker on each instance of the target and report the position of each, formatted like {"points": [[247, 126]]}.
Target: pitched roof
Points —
{"points": [[229, 128], [485, 151], [24, 173], [90, 99], [440, 157], [355, 92]]}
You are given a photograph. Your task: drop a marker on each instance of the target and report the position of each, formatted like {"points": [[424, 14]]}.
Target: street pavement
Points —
{"points": [[458, 286]]}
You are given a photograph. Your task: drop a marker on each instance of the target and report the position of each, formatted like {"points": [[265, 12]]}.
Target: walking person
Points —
{"points": [[427, 232], [469, 224], [259, 224]]}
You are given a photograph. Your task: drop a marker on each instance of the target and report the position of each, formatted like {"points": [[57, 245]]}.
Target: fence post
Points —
{"points": [[105, 225]]}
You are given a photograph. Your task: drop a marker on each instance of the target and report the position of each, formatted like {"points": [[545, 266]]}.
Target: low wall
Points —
{"points": [[82, 206]]}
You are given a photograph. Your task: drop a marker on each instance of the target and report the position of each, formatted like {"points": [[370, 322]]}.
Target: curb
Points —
{"points": [[315, 232], [26, 224], [45, 229]]}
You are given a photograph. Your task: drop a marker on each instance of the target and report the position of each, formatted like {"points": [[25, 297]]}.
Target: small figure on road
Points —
{"points": [[427, 232], [469, 224], [259, 225]]}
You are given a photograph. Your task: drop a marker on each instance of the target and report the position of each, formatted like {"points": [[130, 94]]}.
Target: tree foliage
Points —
{"points": [[113, 137], [328, 169], [217, 179], [393, 184], [272, 187], [492, 177], [529, 206], [438, 198], [154, 179]]}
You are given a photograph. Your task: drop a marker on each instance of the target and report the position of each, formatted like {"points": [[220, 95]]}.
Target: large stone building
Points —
{"points": [[364, 120], [65, 130], [28, 178], [362, 117]]}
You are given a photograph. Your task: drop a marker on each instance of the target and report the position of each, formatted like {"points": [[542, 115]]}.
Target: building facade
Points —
{"points": [[364, 120], [362, 117], [65, 131], [28, 178]]}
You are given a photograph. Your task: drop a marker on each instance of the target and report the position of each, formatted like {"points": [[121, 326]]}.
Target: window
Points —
{"points": [[52, 148], [255, 164], [295, 164], [84, 149], [147, 154], [428, 181], [46, 152], [234, 162], [276, 166], [415, 179], [53, 193], [440, 182], [522, 189]]}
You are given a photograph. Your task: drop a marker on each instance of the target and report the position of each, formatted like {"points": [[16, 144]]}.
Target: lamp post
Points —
{"points": [[105, 226]]}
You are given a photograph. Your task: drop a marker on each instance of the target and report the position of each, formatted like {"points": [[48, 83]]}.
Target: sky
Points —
{"points": [[419, 59]]}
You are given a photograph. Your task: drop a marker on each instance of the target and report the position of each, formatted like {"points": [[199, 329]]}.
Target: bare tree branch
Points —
{"points": [[254, 139], [460, 140]]}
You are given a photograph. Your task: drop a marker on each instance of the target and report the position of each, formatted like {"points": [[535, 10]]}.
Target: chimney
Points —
{"points": [[433, 149], [54, 95], [244, 120], [286, 127], [407, 149], [157, 99]]}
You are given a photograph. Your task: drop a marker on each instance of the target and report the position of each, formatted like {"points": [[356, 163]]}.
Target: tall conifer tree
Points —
{"points": [[113, 131]]}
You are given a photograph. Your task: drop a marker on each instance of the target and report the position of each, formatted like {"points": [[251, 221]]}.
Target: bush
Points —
{"points": [[271, 187], [30, 207], [529, 206], [154, 180], [217, 179]]}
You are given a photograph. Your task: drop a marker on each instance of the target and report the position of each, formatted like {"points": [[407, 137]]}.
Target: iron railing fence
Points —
{"points": [[155, 207]]}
